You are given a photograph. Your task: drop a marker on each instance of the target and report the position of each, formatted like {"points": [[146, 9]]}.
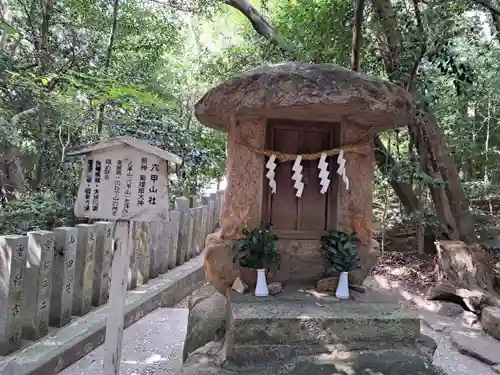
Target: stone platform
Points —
{"points": [[302, 321], [283, 329], [301, 331]]}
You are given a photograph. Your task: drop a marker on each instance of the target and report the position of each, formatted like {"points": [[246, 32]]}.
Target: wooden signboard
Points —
{"points": [[124, 180]]}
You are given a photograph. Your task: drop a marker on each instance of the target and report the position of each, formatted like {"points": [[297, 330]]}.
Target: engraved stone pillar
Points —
{"points": [[182, 205], [37, 284], [215, 218], [134, 257], [63, 276], [102, 266], [141, 238], [191, 213], [153, 248], [13, 254], [84, 269], [174, 230]]}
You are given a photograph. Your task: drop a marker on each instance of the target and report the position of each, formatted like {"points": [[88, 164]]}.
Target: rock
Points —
{"points": [[496, 368], [490, 319], [206, 319], [275, 288], [369, 255], [328, 284], [304, 90], [450, 309], [477, 345], [239, 286], [426, 345], [470, 320], [220, 271]]}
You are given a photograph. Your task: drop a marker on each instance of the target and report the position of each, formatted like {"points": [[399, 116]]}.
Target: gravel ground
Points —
{"points": [[151, 346], [451, 361]]}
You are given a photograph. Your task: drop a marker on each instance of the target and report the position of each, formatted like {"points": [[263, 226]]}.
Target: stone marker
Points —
{"points": [[37, 284], [84, 269], [13, 254], [182, 205], [191, 235], [174, 238], [102, 266], [63, 276], [153, 248]]}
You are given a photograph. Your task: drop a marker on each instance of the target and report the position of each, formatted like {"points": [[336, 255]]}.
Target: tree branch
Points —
{"points": [[357, 35], [488, 5], [423, 46], [259, 23]]}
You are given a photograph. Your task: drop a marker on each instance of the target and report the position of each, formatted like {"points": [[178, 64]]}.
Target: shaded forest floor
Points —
{"points": [[402, 264]]}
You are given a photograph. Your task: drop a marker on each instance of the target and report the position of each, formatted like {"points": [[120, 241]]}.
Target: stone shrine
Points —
{"points": [[299, 109], [300, 156]]}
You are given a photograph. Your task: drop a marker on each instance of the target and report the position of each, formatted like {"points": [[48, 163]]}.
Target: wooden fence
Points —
{"points": [[48, 277]]}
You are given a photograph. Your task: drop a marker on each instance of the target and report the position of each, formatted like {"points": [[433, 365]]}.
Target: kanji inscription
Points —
{"points": [[123, 184]]}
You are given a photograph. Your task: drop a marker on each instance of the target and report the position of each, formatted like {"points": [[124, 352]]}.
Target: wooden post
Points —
{"points": [[102, 266], [116, 305], [63, 275], [124, 180], [37, 284], [13, 253]]}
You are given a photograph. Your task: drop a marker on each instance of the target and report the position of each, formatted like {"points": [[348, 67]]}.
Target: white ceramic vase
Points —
{"points": [[343, 287], [261, 287]]}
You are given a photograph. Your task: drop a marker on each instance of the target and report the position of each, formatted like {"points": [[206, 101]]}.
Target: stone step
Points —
{"points": [[392, 362], [282, 329]]}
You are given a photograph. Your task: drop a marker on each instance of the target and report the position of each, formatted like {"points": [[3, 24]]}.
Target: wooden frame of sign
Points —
{"points": [[125, 180]]}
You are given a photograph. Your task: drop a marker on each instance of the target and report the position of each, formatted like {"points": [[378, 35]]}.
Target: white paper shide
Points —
{"points": [[271, 166], [297, 176], [323, 173], [341, 170]]}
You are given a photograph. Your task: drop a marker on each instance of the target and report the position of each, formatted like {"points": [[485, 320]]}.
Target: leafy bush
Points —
{"points": [[257, 249], [37, 212], [341, 249]]}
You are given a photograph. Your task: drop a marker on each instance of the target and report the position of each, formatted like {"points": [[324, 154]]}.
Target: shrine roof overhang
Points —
{"points": [[312, 92]]}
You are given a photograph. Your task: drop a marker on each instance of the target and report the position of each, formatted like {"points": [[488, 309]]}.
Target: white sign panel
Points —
{"points": [[123, 183]]}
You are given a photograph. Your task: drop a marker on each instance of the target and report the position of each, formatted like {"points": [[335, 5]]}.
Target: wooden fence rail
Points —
{"points": [[49, 277]]}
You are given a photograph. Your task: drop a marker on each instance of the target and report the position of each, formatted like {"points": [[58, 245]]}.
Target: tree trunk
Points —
{"points": [[107, 62], [452, 206], [465, 276], [388, 167]]}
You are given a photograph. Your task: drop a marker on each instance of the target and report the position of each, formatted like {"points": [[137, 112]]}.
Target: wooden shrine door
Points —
{"points": [[309, 216]]}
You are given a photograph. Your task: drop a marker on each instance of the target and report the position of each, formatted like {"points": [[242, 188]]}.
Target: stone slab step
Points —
{"points": [[293, 326], [391, 362]]}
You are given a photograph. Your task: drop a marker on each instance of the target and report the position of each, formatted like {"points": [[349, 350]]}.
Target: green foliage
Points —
{"points": [[39, 211], [66, 85], [257, 249], [341, 250]]}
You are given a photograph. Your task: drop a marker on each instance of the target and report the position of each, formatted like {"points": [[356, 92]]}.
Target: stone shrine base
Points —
{"points": [[302, 332]]}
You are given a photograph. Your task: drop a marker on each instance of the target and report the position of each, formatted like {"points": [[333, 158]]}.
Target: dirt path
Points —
{"points": [[406, 277]]}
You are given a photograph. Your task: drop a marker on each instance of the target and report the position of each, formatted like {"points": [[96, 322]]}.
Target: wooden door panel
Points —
{"points": [[313, 204], [284, 203]]}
